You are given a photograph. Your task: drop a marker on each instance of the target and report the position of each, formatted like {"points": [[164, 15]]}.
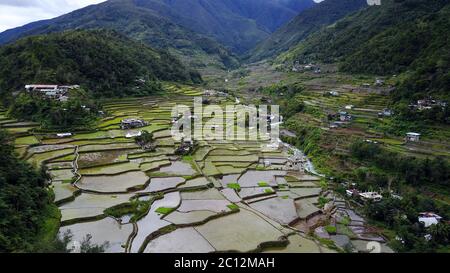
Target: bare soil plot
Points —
{"points": [[102, 158]]}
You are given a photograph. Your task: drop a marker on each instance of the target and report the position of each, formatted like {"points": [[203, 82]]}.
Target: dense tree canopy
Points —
{"points": [[23, 200], [104, 62], [407, 37]]}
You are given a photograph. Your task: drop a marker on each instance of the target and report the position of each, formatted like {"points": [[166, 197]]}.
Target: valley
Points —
{"points": [[160, 202], [91, 162]]}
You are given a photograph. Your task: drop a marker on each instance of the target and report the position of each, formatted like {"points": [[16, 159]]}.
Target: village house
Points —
{"points": [[413, 137], [371, 196], [332, 93], [209, 93], [386, 113], [349, 107], [214, 93], [352, 193], [427, 104], [334, 125], [379, 82], [345, 117], [55, 92], [429, 218], [63, 135], [132, 123], [133, 134], [297, 67], [186, 147]]}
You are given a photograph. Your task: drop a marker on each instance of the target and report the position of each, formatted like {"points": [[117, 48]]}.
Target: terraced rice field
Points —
{"points": [[221, 198]]}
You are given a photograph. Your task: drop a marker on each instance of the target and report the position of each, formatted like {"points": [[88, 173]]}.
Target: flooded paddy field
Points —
{"points": [[222, 197]]}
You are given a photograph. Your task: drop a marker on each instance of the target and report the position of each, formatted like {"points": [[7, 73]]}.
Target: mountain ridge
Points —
{"points": [[236, 24], [307, 22], [105, 62]]}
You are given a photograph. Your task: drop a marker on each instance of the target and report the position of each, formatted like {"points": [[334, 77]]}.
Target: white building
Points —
{"points": [[51, 91], [371, 196], [429, 218], [64, 135], [413, 137], [133, 134]]}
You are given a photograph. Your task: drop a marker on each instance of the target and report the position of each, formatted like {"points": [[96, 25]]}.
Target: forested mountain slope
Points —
{"points": [[307, 22], [399, 36], [105, 62]]}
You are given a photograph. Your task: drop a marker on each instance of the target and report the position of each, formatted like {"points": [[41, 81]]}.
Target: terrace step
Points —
{"points": [[261, 198]]}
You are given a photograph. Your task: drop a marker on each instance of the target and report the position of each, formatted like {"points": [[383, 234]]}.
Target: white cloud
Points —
{"points": [[15, 13]]}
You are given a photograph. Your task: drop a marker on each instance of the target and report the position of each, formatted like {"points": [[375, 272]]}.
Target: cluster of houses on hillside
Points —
{"points": [[364, 196], [429, 218], [214, 93], [132, 123], [186, 147], [339, 119], [386, 113], [378, 83], [56, 92], [412, 137], [427, 104], [297, 67], [331, 93]]}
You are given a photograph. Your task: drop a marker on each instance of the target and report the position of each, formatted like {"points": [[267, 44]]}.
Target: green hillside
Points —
{"points": [[104, 62], [303, 25], [139, 23], [401, 36]]}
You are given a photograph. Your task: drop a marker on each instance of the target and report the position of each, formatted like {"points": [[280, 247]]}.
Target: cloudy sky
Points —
{"points": [[14, 13]]}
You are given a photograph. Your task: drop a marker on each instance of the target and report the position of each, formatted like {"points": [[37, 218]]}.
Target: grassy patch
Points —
{"points": [[329, 244], [164, 211], [263, 184], [233, 207], [48, 229], [234, 186], [136, 208], [331, 230], [323, 201], [28, 140], [268, 191], [345, 221]]}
